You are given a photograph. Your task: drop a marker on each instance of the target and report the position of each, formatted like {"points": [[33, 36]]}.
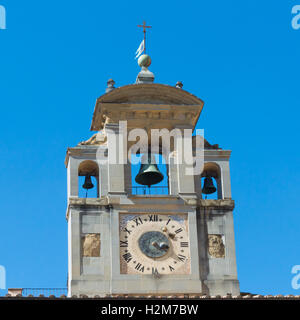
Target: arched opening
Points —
{"points": [[211, 181], [144, 173], [88, 179]]}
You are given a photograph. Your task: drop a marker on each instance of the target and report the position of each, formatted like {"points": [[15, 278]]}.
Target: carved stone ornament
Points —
{"points": [[95, 140], [216, 248], [91, 245]]}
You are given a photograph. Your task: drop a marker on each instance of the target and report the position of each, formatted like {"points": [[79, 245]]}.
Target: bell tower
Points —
{"points": [[137, 236]]}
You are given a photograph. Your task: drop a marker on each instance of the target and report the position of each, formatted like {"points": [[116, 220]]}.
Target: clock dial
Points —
{"points": [[154, 244]]}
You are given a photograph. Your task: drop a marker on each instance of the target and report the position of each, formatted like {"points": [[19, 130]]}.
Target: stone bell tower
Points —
{"points": [[170, 241]]}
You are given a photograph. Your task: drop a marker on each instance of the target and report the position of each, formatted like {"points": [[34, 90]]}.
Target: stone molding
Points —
{"points": [[227, 204], [218, 204]]}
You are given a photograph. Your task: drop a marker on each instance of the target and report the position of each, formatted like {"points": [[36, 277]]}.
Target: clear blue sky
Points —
{"points": [[240, 57]]}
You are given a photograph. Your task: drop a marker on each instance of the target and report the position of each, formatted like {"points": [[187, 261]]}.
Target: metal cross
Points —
{"points": [[144, 26]]}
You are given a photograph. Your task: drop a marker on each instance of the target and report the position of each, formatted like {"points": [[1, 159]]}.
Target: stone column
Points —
{"points": [[183, 147], [116, 158], [74, 238], [225, 180], [173, 182], [72, 177]]}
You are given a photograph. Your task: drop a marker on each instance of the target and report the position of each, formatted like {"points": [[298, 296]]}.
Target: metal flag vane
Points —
{"points": [[144, 26]]}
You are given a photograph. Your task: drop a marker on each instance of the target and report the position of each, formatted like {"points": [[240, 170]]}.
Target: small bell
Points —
{"points": [[88, 183], [208, 186]]}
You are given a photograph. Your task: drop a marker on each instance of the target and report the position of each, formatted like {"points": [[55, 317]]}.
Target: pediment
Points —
{"points": [[147, 106], [150, 93]]}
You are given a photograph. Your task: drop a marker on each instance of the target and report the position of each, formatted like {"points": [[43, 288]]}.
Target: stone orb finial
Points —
{"points": [[144, 61], [110, 85], [110, 82], [179, 85]]}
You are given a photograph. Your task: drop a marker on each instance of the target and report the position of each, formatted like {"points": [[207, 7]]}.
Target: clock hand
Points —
{"points": [[161, 245], [164, 246], [155, 244]]}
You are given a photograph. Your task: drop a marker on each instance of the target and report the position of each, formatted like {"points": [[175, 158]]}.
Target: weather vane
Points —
{"points": [[142, 47]]}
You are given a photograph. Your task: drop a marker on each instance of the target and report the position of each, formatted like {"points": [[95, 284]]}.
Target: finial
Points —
{"points": [[145, 75], [110, 85], [144, 61], [179, 85]]}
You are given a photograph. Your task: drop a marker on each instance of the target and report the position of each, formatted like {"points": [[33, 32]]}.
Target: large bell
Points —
{"points": [[208, 186], [88, 183], [149, 173]]}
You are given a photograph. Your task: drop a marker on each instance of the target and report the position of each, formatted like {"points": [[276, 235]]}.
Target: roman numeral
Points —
{"points": [[178, 230], [138, 221], [124, 244], [154, 270], [171, 268], [127, 257], [153, 218], [181, 257], [168, 222], [184, 244], [139, 267], [126, 230]]}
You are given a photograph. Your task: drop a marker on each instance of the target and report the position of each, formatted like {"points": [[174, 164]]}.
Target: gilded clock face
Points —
{"points": [[154, 244]]}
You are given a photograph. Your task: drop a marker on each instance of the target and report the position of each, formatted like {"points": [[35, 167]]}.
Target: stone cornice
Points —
{"points": [[141, 201], [86, 202], [227, 204], [220, 154], [80, 150]]}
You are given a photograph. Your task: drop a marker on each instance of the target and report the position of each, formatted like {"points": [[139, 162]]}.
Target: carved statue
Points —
{"points": [[216, 248]]}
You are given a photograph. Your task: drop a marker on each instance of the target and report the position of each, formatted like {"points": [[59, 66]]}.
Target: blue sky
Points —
{"points": [[240, 57]]}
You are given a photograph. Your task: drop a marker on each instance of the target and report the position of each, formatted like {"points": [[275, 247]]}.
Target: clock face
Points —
{"points": [[154, 244]]}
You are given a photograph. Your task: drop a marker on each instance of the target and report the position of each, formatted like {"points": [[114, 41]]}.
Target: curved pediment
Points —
{"points": [[150, 93], [147, 106]]}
